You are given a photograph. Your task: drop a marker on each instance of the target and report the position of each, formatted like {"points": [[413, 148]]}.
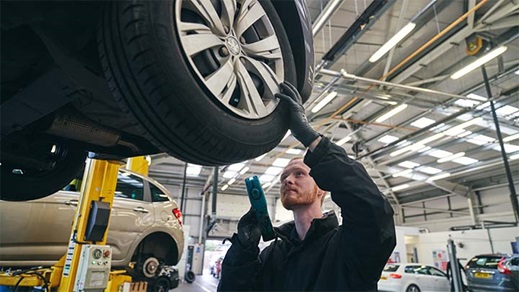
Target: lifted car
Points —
{"points": [[195, 79]]}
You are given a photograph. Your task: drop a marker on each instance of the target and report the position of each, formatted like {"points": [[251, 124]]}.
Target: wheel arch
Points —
{"points": [[161, 244]]}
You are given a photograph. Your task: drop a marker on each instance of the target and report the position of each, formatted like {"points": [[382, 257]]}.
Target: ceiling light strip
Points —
{"points": [[401, 34], [391, 113], [479, 62]]}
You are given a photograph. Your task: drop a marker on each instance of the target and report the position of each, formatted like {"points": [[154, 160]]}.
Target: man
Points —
{"points": [[314, 253]]}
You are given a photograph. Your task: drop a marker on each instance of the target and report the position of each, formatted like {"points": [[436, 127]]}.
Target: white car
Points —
{"points": [[412, 277]]}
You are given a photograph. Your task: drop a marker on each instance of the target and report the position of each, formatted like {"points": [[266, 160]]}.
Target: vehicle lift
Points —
{"points": [[86, 265]]}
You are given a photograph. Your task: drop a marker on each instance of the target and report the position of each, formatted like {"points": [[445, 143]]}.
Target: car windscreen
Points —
{"points": [[487, 262], [391, 268]]}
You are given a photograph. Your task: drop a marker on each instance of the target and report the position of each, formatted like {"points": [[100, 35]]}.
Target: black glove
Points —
{"points": [[249, 232], [298, 121]]}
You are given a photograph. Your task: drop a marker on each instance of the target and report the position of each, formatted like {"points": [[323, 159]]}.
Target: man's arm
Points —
{"points": [[368, 229]]}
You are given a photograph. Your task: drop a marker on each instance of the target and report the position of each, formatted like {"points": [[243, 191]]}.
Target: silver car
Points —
{"points": [[145, 227]]}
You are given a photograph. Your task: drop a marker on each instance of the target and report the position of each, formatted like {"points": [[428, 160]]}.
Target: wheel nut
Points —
{"points": [[223, 51]]}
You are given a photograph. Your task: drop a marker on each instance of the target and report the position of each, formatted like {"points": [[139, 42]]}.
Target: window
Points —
{"points": [[436, 272], [129, 186], [157, 195], [391, 268], [488, 262], [412, 269]]}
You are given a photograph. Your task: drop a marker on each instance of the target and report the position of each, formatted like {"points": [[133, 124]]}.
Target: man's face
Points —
{"points": [[298, 188]]}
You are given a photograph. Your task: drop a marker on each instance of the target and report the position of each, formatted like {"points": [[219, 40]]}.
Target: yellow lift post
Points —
{"points": [[101, 180]]}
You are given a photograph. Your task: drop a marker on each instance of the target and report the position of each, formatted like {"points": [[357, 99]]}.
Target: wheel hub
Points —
{"points": [[233, 45]]}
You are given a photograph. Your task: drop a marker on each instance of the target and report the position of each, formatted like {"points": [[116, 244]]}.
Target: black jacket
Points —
{"points": [[349, 257]]}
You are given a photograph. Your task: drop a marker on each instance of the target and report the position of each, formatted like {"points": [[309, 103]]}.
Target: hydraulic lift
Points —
{"points": [[87, 262]]}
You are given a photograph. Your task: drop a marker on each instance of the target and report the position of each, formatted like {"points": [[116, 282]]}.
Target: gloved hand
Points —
{"points": [[298, 121], [249, 232]]}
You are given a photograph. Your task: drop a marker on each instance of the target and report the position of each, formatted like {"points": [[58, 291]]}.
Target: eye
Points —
{"points": [[300, 173]]}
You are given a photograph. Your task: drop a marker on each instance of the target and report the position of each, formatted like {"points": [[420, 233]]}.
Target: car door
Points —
{"points": [[132, 213], [36, 230], [439, 280], [425, 279], [413, 276]]}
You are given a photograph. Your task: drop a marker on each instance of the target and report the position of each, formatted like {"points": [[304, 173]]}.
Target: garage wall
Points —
{"points": [[468, 243], [495, 206]]}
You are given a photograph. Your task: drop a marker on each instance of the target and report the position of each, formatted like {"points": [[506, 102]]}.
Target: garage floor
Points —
{"points": [[202, 283]]}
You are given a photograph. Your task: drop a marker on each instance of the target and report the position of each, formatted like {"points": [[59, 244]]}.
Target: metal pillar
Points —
{"points": [[455, 271], [182, 198], [215, 191], [513, 194]]}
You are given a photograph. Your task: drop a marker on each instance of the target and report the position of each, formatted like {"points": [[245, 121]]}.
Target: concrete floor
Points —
{"points": [[203, 283]]}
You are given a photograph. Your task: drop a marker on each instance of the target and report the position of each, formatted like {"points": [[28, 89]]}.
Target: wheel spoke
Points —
{"points": [[249, 14], [206, 9], [265, 73], [267, 48], [217, 81], [196, 43], [250, 96], [197, 28], [228, 12]]}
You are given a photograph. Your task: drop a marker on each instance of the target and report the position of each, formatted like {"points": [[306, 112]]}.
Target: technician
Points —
{"points": [[314, 252]]}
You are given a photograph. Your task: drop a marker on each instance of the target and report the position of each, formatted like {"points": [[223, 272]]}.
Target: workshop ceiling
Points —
{"points": [[439, 116]]}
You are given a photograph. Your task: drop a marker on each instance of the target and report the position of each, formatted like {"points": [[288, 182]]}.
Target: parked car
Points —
{"points": [[493, 272], [412, 277], [195, 79], [145, 228]]}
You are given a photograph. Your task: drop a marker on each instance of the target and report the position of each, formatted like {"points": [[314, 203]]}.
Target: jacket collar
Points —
{"points": [[318, 227]]}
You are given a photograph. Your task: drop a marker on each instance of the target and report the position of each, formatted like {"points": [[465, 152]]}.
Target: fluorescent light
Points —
{"points": [[516, 72], [244, 170], [439, 176], [391, 113], [491, 55], [403, 172], [343, 140], [426, 148], [481, 139], [509, 148], [324, 101], [388, 139], [412, 147], [225, 187], [466, 102], [261, 156], [422, 123], [514, 157], [273, 170], [229, 174], [236, 167], [281, 162], [430, 139], [402, 33], [456, 130], [511, 138], [475, 96], [506, 110], [193, 170], [231, 181], [429, 170], [466, 133], [266, 178], [400, 187], [438, 153], [465, 117], [294, 151], [449, 158], [465, 160], [408, 164]]}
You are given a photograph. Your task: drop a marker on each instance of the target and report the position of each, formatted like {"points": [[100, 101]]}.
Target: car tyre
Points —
{"points": [[167, 90], [412, 288]]}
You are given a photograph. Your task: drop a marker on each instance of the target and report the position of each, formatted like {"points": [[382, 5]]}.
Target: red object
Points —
{"points": [[502, 269], [178, 215], [106, 253], [395, 276]]}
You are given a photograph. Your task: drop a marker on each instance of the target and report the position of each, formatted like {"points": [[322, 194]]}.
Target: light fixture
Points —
{"points": [[403, 172], [324, 101], [236, 167], [430, 139], [511, 138], [465, 160], [244, 170], [408, 164], [429, 170], [477, 97], [402, 33], [261, 156], [343, 140], [281, 162], [391, 113], [481, 140], [422, 123], [514, 157], [439, 176], [506, 110], [400, 187], [193, 169], [388, 139], [438, 153], [225, 187], [229, 174], [231, 181], [456, 130], [480, 61], [449, 158]]}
